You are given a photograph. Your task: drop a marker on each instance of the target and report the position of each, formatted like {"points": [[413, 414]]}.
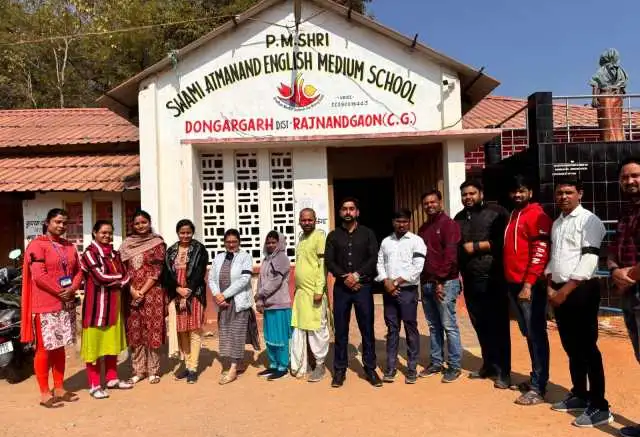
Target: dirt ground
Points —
{"points": [[254, 407]]}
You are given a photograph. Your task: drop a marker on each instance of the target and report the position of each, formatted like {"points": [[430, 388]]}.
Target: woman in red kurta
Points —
{"points": [[51, 277], [143, 254]]}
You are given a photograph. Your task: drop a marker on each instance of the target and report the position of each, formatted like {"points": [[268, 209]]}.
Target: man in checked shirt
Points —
{"points": [[624, 258]]}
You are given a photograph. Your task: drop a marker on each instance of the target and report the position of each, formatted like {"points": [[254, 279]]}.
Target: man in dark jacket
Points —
{"points": [[482, 228], [351, 253]]}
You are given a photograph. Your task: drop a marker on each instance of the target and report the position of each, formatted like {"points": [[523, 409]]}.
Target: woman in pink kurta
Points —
{"points": [[143, 254]]}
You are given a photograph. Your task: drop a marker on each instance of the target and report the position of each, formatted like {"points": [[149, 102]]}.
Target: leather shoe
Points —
{"points": [[481, 374], [502, 384], [373, 378], [338, 378]]}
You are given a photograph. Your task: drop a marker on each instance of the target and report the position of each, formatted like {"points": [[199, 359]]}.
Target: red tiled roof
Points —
{"points": [[493, 110], [69, 173], [46, 127]]}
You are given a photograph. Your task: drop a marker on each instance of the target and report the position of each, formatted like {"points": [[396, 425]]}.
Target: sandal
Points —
{"points": [[51, 403], [530, 398], [135, 379], [119, 385], [154, 379], [67, 397], [227, 378], [98, 393]]}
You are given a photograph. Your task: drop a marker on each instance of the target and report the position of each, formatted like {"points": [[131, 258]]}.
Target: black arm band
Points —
{"points": [[590, 250], [476, 246]]}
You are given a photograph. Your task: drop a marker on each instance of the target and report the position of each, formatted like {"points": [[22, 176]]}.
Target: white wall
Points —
{"points": [[170, 153], [310, 184], [454, 175]]}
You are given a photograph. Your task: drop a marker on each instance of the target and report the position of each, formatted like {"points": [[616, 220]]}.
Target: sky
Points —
{"points": [[539, 45]]}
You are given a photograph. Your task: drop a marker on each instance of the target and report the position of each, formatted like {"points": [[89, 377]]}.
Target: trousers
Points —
{"points": [[344, 299]]}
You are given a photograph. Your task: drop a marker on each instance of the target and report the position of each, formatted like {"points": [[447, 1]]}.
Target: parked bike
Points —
{"points": [[16, 358]]}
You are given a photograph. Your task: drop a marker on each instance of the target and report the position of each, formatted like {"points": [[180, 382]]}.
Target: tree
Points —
{"points": [[62, 70]]}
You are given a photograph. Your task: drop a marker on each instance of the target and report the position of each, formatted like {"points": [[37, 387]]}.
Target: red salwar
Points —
{"points": [[44, 360]]}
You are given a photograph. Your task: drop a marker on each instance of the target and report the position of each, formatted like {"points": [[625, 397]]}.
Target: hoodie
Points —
{"points": [[526, 244], [273, 284]]}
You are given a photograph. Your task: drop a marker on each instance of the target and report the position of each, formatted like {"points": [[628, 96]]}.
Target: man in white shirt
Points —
{"points": [[573, 291], [400, 263]]}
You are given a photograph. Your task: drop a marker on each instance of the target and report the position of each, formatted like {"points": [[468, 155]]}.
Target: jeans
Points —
{"points": [[402, 308], [343, 300], [532, 320], [631, 310], [577, 320], [441, 318], [488, 307]]}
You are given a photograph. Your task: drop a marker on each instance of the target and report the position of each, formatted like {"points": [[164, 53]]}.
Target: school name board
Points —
{"points": [[296, 61]]}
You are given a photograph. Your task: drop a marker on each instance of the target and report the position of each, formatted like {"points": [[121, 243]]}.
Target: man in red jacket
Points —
{"points": [[526, 252]]}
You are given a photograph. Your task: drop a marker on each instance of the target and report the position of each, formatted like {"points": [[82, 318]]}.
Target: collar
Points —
{"points": [[357, 226], [575, 213], [404, 237]]}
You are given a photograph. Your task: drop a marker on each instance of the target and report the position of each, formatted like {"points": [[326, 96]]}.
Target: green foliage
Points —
{"points": [[74, 72]]}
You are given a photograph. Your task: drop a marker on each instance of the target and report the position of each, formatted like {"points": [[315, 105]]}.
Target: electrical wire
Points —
{"points": [[111, 32]]}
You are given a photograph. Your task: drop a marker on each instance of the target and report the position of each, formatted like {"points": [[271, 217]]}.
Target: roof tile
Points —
{"points": [[48, 127], [493, 110], [68, 173]]}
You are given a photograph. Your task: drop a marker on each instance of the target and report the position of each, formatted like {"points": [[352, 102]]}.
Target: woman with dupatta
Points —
{"points": [[51, 276], [274, 300], [103, 334], [143, 254], [185, 271]]}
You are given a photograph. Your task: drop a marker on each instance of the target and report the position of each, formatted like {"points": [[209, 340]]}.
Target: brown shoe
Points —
{"points": [[530, 398]]}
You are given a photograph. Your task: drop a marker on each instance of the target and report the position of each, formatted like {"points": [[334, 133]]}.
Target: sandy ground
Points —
{"points": [[254, 407]]}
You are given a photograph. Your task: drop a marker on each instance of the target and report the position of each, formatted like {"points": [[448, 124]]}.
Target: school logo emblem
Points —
{"points": [[299, 96]]}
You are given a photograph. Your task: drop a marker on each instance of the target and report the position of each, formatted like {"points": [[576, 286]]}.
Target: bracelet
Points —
{"points": [[476, 246]]}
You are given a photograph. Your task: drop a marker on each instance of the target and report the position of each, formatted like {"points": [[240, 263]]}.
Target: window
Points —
{"points": [[75, 232], [103, 210], [261, 198], [130, 208]]}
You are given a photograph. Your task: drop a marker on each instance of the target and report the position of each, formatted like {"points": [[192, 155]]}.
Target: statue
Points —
{"points": [[609, 82]]}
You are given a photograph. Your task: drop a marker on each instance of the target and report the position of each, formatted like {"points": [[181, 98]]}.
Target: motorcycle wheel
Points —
{"points": [[19, 369]]}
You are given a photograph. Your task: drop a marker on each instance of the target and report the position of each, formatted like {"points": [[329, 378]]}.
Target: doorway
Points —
{"points": [[376, 198]]}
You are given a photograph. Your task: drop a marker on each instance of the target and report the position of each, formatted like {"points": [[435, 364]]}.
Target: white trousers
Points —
{"points": [[318, 342]]}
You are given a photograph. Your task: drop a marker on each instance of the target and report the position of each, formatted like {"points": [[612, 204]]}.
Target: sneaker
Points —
{"points": [[192, 377], [570, 403], [318, 373], [389, 376], [630, 431], [266, 373], [593, 417], [411, 377], [433, 369], [98, 393], [373, 378], [277, 374], [338, 378], [451, 375], [182, 374]]}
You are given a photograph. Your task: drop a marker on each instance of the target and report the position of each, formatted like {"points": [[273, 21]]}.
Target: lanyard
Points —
{"points": [[63, 257]]}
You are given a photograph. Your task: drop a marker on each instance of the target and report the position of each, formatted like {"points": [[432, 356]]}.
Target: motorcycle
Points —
{"points": [[16, 358]]}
